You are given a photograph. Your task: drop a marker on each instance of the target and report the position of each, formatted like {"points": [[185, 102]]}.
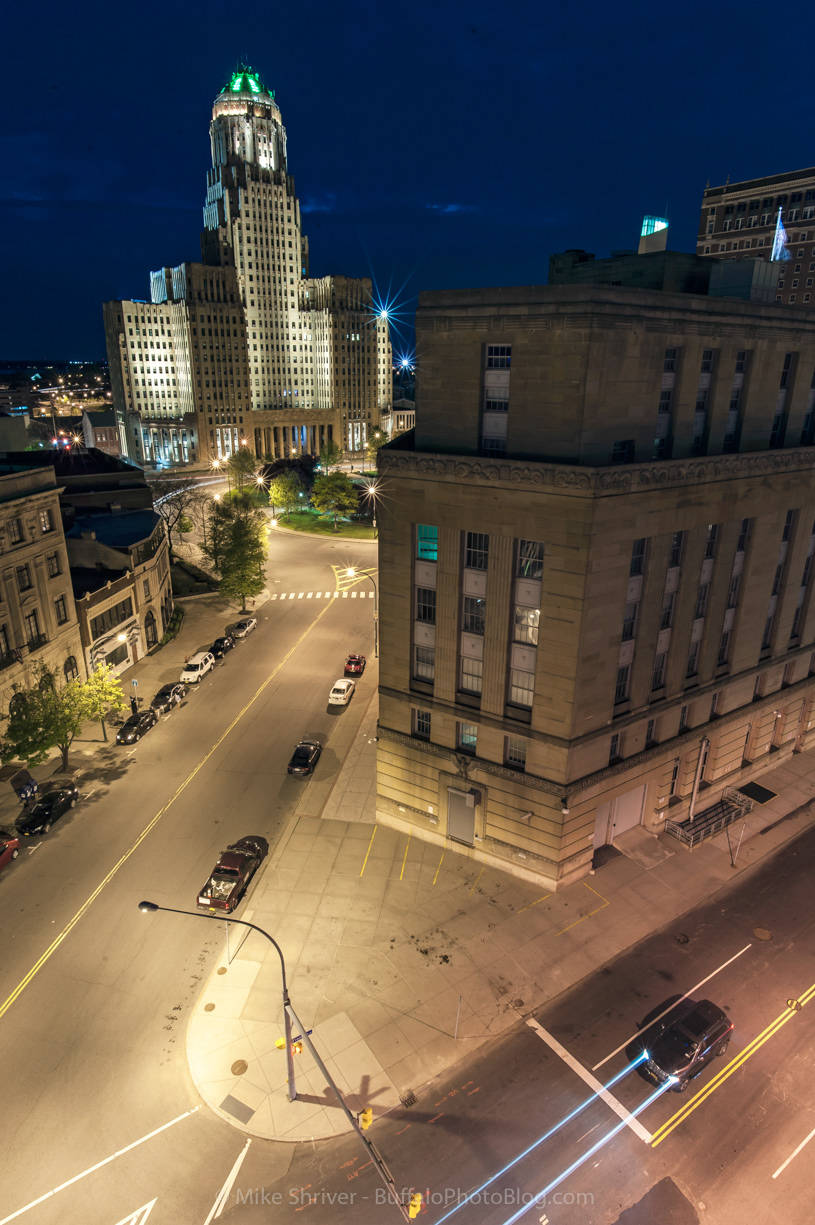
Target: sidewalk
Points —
{"points": [[403, 958]]}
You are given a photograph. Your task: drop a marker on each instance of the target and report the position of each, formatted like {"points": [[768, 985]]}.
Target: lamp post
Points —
{"points": [[290, 1015], [152, 907], [351, 573], [372, 492]]}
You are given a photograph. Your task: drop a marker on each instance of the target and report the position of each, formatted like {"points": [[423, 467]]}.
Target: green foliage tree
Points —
{"points": [[331, 456], [239, 529], [102, 694], [286, 490], [42, 717], [334, 494], [375, 441], [242, 467], [184, 525]]}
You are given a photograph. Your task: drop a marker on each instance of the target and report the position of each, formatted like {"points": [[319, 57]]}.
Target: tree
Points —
{"points": [[375, 441], [184, 525], [174, 498], [331, 456], [102, 694], [335, 494], [239, 536], [242, 467], [286, 490], [43, 717]]}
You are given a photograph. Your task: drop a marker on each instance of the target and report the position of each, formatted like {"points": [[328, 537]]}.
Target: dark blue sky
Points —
{"points": [[435, 144]]}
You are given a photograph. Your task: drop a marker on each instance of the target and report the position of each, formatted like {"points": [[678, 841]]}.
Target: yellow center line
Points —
{"points": [[477, 879], [583, 918], [438, 869], [367, 853], [732, 1067], [71, 924], [404, 860]]}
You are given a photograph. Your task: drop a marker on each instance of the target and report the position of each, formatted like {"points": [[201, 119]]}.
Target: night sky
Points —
{"points": [[434, 145]]}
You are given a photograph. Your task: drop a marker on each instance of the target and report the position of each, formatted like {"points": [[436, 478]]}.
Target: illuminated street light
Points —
{"points": [[351, 573]]}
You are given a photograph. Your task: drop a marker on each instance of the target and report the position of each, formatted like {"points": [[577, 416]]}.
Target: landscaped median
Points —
{"points": [[320, 525]]}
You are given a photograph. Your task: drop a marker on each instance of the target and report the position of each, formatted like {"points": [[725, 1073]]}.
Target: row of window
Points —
{"points": [[467, 739], [476, 551]]}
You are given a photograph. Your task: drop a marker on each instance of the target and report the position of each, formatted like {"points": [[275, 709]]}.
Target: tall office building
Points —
{"points": [[257, 352], [584, 630], [738, 221]]}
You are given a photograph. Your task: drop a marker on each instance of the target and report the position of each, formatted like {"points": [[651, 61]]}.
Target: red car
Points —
{"points": [[232, 873], [355, 665], [9, 847]]}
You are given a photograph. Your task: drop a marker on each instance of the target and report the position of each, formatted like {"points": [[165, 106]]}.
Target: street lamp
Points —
{"points": [[351, 573], [290, 1015], [372, 492]]}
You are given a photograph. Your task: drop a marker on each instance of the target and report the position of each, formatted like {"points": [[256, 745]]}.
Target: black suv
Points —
{"points": [[694, 1032]]}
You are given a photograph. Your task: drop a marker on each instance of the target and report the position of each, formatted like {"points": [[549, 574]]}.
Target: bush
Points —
{"points": [[173, 628]]}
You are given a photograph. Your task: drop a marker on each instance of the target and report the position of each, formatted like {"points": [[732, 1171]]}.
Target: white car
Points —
{"points": [[196, 668], [341, 693], [244, 627]]}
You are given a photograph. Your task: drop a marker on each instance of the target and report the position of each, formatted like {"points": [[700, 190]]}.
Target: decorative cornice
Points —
{"points": [[621, 479]]}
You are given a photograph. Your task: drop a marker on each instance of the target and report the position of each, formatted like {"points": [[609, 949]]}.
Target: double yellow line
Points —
{"points": [[793, 1007]]}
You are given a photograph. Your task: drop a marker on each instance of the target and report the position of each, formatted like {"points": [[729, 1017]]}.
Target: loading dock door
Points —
{"points": [[618, 815], [461, 816]]}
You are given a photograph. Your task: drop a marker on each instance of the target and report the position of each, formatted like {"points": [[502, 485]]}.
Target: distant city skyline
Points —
{"points": [[434, 150]]}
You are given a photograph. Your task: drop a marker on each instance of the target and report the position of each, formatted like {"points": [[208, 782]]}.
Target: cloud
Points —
{"points": [[449, 209], [326, 202]]}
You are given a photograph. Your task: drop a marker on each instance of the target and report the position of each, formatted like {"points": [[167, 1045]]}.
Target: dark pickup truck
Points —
{"points": [[232, 873]]}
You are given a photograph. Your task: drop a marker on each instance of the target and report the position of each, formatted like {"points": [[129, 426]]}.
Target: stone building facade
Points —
{"points": [[38, 620], [738, 221], [307, 359], [595, 567]]}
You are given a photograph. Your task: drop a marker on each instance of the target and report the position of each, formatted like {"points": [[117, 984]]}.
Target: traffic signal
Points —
{"points": [[415, 1204], [366, 1118]]}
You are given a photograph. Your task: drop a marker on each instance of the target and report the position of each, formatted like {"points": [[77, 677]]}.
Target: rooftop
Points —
{"points": [[119, 530]]}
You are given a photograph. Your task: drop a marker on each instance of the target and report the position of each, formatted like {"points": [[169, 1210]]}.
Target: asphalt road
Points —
{"points": [[95, 996], [725, 1137]]}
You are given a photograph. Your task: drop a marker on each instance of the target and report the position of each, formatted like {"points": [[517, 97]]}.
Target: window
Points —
{"points": [[24, 578], [715, 704], [15, 531], [530, 559], [615, 748], [61, 610], [650, 733], [150, 629], [683, 719], [629, 621], [421, 724], [427, 542], [494, 446], [515, 753], [53, 564], [424, 663], [470, 676], [669, 362], [476, 550], [796, 618], [675, 776], [693, 659], [623, 679], [426, 605], [526, 625], [623, 451], [4, 645], [787, 532], [32, 628], [475, 610], [806, 570], [707, 361], [667, 615], [744, 536], [733, 593], [710, 543], [637, 557], [70, 669], [146, 589], [779, 570], [111, 617], [767, 636], [46, 521], [467, 737], [499, 357], [675, 554], [701, 601], [521, 687], [658, 675]]}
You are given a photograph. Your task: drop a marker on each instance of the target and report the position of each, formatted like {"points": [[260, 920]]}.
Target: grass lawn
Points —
{"points": [[322, 525]]}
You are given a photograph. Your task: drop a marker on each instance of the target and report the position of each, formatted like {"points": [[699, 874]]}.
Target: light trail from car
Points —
{"points": [[594, 1097]]}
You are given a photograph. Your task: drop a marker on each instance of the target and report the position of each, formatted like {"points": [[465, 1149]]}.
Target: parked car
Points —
{"points": [[355, 665], [9, 847], [167, 697], [221, 645], [136, 726], [244, 627], [341, 693], [41, 815], [232, 873], [696, 1033], [305, 756], [196, 668]]}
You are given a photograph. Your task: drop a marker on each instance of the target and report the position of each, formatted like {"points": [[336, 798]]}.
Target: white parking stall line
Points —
{"points": [[794, 1154], [92, 1169], [226, 1190], [671, 1007], [590, 1080]]}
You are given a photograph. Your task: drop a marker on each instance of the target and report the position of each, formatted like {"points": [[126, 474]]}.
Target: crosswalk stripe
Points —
{"points": [[353, 595], [308, 597], [300, 596]]}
